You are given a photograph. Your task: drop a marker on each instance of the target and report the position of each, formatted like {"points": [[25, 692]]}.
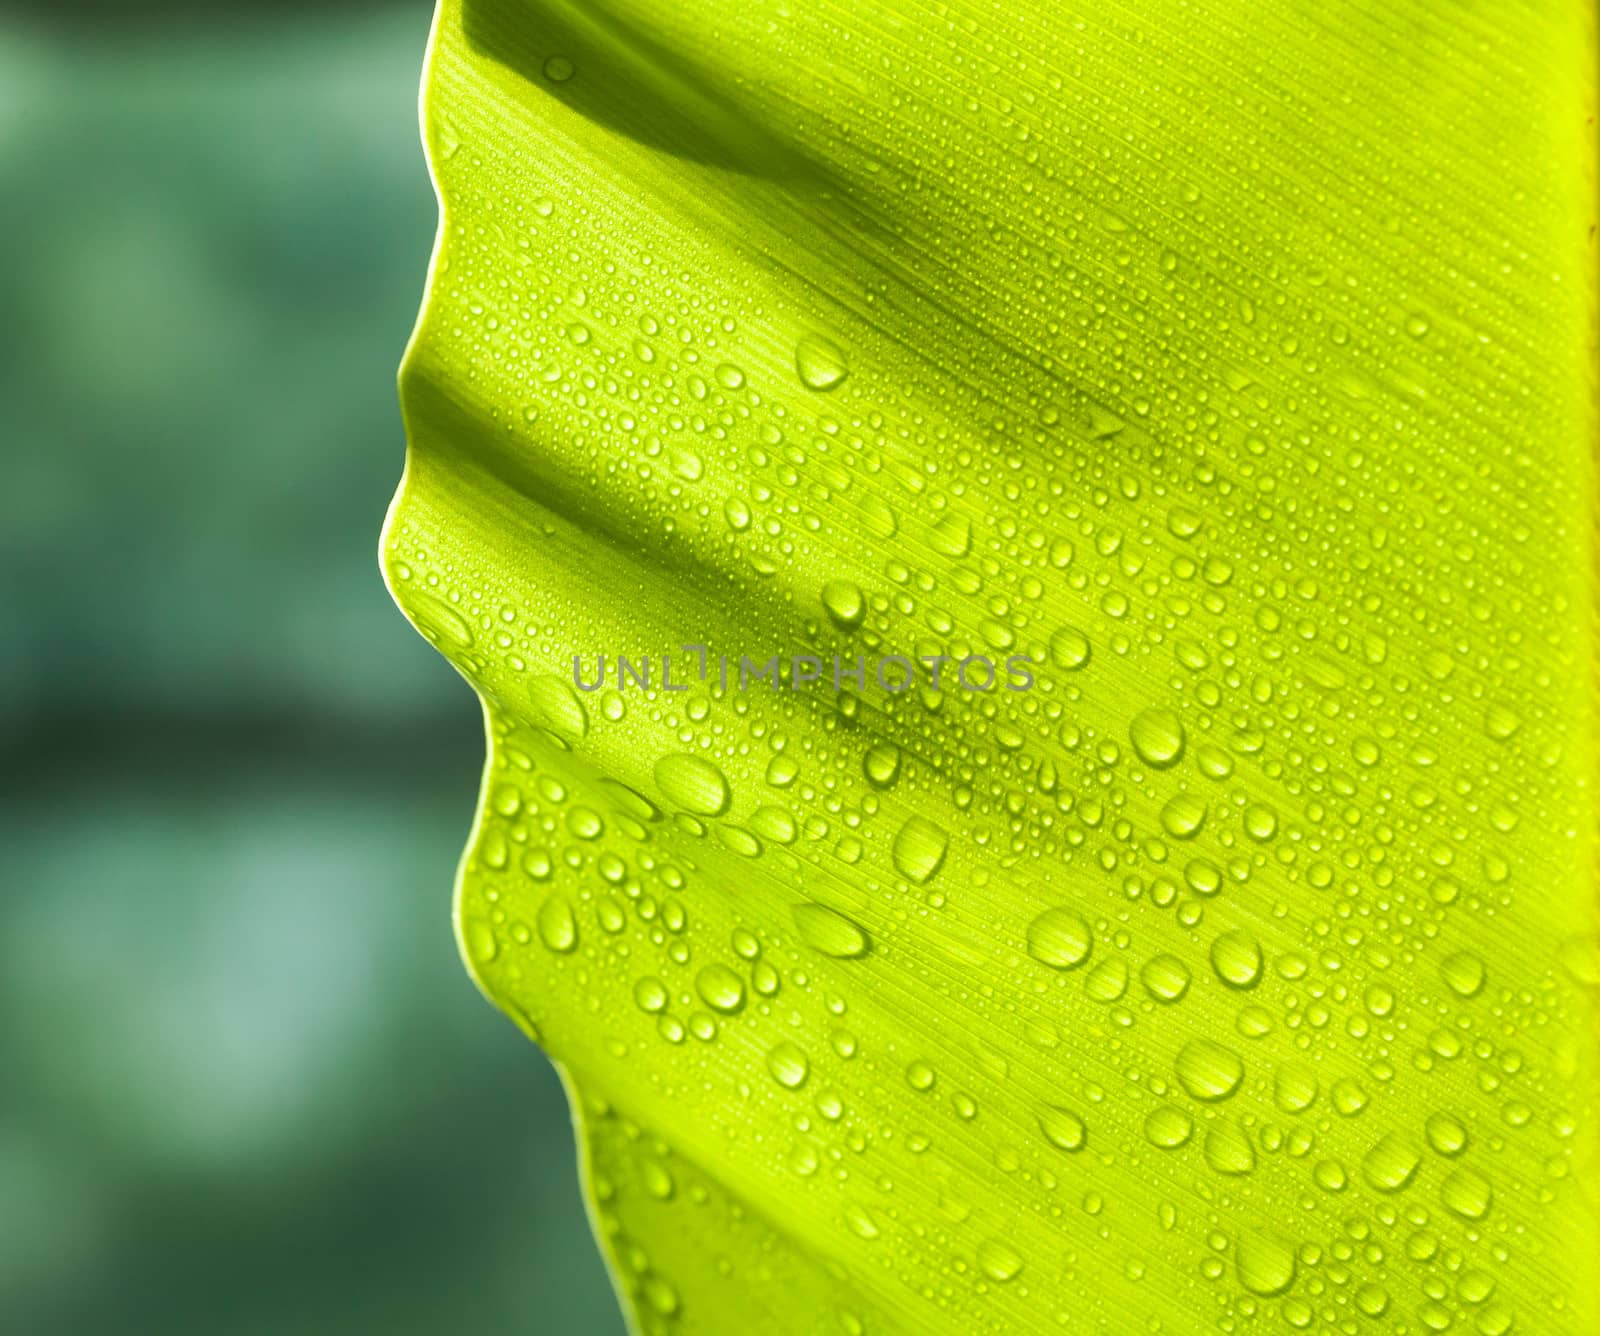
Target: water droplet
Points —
{"points": [[1464, 973], [1062, 1128], [1236, 958], [1266, 1266], [882, 765], [1183, 816], [693, 784], [919, 849], [1158, 737], [1168, 1127], [1467, 1194], [952, 536], [1165, 978], [1294, 1088], [1209, 1071], [820, 363], [557, 706], [1060, 939], [920, 1075], [830, 932], [660, 1294], [1372, 1300], [861, 1222], [1348, 1097], [1391, 1164], [1000, 1261], [1446, 1134], [558, 930], [844, 603], [788, 1064], [650, 994], [1500, 722], [1069, 648], [1107, 981], [720, 988], [657, 1179], [482, 947], [558, 69], [1228, 1149]]}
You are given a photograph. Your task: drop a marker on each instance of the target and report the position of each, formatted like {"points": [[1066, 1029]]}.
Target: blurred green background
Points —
{"points": [[245, 1084]]}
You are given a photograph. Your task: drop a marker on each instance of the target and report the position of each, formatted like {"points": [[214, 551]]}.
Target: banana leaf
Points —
{"points": [[1029, 569]]}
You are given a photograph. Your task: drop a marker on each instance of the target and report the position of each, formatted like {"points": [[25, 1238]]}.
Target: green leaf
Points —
{"points": [[1223, 368]]}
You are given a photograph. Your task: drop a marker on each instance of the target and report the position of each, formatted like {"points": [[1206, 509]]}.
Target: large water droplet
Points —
{"points": [[952, 536]]}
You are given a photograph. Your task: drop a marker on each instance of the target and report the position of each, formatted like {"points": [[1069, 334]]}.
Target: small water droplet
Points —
{"points": [[1391, 1164], [1069, 648], [1060, 939], [1168, 1127], [1209, 1071], [919, 849], [1165, 978], [1062, 1128], [1158, 737], [1464, 973], [830, 932], [693, 784], [1000, 1261], [1266, 1266], [1228, 1150], [558, 930], [820, 363], [788, 1064], [844, 603], [1183, 816], [720, 988], [1446, 1134], [882, 765], [1467, 1193], [1236, 958]]}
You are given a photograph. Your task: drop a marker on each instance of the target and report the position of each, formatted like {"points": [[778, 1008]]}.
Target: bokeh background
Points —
{"points": [[245, 1085]]}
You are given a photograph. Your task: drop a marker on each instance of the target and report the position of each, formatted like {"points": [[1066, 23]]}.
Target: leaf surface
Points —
{"points": [[1226, 368]]}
